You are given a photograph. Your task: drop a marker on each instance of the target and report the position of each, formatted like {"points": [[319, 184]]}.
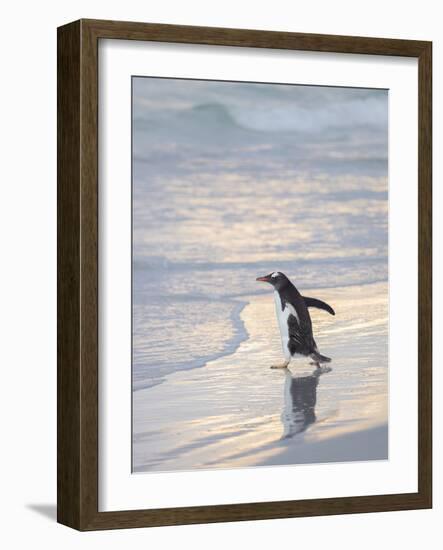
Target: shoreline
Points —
{"points": [[240, 333], [236, 411]]}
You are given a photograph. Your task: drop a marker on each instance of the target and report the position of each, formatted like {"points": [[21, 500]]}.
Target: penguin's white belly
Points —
{"points": [[282, 318]]}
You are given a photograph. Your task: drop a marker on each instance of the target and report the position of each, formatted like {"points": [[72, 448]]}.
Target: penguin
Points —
{"points": [[294, 320]]}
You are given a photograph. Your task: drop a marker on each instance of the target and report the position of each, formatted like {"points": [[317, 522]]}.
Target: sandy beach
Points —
{"points": [[237, 412]]}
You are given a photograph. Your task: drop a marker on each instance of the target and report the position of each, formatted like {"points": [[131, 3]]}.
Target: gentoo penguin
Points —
{"points": [[294, 319]]}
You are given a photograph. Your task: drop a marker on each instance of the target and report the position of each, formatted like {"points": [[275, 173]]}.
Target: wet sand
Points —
{"points": [[237, 412]]}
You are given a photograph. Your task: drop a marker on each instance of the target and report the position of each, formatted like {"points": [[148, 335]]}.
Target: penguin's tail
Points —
{"points": [[319, 358]]}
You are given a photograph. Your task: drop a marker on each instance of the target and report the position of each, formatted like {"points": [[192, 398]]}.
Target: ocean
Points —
{"points": [[235, 180]]}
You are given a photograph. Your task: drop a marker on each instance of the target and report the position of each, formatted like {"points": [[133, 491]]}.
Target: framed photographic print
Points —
{"points": [[244, 275]]}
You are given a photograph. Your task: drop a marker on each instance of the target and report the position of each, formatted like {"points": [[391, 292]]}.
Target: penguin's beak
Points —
{"points": [[265, 279]]}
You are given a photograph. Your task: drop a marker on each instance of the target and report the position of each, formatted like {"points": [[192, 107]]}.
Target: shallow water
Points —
{"points": [[237, 412], [232, 181]]}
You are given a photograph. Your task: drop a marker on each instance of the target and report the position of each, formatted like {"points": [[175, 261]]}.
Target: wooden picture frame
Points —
{"points": [[77, 456]]}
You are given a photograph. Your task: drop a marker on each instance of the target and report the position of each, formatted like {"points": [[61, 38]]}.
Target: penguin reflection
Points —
{"points": [[300, 400]]}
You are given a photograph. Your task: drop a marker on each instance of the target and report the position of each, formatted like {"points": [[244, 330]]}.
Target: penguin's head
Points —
{"points": [[277, 279]]}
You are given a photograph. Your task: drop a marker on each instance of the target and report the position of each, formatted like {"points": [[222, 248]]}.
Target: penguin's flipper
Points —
{"points": [[313, 302]]}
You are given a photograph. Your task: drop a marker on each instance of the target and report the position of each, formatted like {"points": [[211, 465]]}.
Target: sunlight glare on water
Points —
{"points": [[232, 181]]}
